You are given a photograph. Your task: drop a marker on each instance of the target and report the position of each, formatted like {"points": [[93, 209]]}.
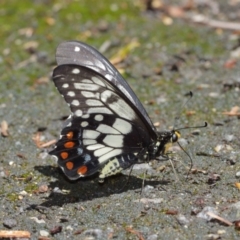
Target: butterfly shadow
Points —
{"points": [[65, 191]]}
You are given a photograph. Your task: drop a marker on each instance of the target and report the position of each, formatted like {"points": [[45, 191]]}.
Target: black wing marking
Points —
{"points": [[74, 52], [103, 123]]}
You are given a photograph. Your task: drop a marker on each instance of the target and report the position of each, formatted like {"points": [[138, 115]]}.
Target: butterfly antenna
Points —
{"points": [[201, 126], [190, 95]]}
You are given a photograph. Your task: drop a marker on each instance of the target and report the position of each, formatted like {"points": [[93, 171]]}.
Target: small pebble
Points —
{"points": [[214, 94], [2, 174], [23, 193], [39, 221], [9, 223], [229, 137], [44, 233], [204, 213], [92, 234], [238, 174], [153, 237], [69, 227], [43, 155], [141, 166], [148, 188], [182, 220], [57, 190]]}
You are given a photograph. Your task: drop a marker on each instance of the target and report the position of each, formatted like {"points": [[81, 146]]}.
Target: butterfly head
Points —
{"points": [[166, 139]]}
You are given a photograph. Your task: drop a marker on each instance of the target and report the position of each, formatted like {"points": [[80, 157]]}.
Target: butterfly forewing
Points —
{"points": [[103, 124], [74, 52]]}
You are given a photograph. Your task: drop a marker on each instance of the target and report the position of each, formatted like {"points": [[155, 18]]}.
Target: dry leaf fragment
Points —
{"points": [[175, 11], [215, 216], [201, 19], [237, 225], [28, 32], [231, 63], [56, 230], [237, 184], [48, 144], [14, 234], [171, 212], [4, 128], [138, 234], [50, 21], [233, 112], [124, 52], [43, 188], [39, 143]]}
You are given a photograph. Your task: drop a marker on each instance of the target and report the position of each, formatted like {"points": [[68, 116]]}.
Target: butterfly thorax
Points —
{"points": [[159, 147], [165, 141]]}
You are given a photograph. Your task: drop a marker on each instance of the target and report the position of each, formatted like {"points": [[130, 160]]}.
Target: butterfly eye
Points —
{"points": [[175, 136]]}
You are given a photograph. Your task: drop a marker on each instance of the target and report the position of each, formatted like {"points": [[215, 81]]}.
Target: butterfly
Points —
{"points": [[108, 129]]}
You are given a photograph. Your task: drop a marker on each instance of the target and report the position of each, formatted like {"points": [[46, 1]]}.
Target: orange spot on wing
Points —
{"points": [[69, 165], [69, 135], [64, 155], [69, 144], [82, 170]]}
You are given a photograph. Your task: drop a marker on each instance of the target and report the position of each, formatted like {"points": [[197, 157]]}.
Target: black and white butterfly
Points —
{"points": [[108, 129]]}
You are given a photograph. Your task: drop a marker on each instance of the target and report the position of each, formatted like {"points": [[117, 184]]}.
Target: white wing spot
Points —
{"points": [[77, 49], [65, 85], [115, 141], [78, 113], [89, 142], [90, 94], [84, 124], [103, 128], [98, 117], [105, 95], [93, 102], [75, 71], [86, 86], [94, 147], [69, 124], [87, 81], [102, 151], [75, 102], [91, 134], [98, 81], [85, 116], [99, 110], [122, 109], [109, 77], [99, 64], [71, 94], [122, 126], [109, 155]]}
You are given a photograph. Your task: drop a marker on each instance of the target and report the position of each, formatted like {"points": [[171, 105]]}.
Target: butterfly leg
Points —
{"points": [[116, 165]]}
